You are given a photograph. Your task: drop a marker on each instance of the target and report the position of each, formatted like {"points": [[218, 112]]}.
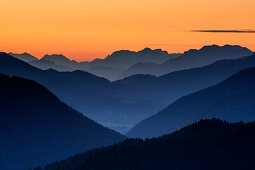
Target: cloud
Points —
{"points": [[158, 44], [225, 31]]}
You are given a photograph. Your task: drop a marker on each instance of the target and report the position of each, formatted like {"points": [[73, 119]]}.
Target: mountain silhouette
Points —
{"points": [[125, 63], [45, 65], [109, 67], [24, 57], [61, 60], [190, 59], [125, 58], [208, 144], [36, 127], [232, 100], [123, 103]]}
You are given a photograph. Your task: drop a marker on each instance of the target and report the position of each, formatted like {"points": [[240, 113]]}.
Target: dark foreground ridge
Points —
{"points": [[36, 127], [208, 144]]}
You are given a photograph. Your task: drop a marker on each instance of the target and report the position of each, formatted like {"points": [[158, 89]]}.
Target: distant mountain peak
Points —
{"points": [[24, 53], [211, 51], [54, 57], [24, 56], [120, 52], [61, 60], [214, 46], [147, 49]]}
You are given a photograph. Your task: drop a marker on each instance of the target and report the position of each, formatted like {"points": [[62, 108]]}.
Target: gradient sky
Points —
{"points": [[87, 29]]}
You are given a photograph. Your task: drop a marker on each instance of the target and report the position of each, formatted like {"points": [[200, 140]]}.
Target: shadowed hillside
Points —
{"points": [[208, 144], [232, 100], [36, 127]]}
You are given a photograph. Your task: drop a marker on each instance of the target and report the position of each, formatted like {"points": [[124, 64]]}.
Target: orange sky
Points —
{"points": [[87, 29]]}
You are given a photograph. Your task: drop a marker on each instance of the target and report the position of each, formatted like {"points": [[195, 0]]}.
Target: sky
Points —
{"points": [[88, 29]]}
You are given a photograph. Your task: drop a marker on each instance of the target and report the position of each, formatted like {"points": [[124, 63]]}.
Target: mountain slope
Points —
{"points": [[232, 100], [190, 59], [106, 72], [24, 57], [36, 127], [45, 65], [208, 144], [167, 88], [85, 92], [42, 63]]}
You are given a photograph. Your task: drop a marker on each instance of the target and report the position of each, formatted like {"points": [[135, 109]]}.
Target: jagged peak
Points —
{"points": [[55, 56]]}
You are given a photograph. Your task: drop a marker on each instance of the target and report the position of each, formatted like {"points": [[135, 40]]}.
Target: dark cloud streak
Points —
{"points": [[225, 31], [158, 44]]}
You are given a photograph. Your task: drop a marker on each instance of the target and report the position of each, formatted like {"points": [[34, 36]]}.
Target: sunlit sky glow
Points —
{"points": [[87, 29]]}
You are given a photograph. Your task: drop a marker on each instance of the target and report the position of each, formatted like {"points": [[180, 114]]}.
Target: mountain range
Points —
{"points": [[125, 58], [125, 63], [190, 59], [208, 144], [123, 103], [200, 88], [37, 128], [45, 65], [109, 67], [232, 100]]}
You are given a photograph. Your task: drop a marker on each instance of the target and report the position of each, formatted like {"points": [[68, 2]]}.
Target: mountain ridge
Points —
{"points": [[24, 57], [190, 59], [115, 63], [206, 144], [126, 101], [232, 100], [36, 127]]}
